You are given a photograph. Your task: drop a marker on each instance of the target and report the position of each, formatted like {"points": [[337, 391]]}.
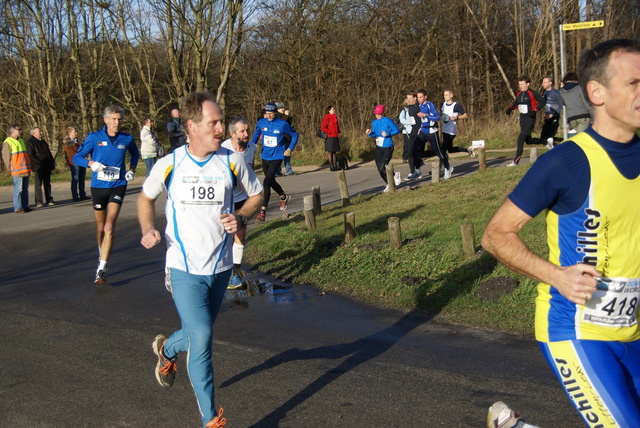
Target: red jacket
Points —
{"points": [[330, 125]]}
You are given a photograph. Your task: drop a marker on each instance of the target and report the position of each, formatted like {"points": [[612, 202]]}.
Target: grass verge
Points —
{"points": [[430, 271]]}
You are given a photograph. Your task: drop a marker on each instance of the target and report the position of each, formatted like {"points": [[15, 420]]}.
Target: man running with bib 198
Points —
{"points": [[199, 179], [589, 291]]}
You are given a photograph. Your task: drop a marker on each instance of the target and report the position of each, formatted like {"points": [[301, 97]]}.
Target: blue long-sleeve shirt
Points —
{"points": [[429, 121], [388, 126], [554, 102], [273, 141], [109, 153]]}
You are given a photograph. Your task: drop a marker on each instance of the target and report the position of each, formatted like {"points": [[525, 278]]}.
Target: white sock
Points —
{"points": [[238, 253], [102, 265]]}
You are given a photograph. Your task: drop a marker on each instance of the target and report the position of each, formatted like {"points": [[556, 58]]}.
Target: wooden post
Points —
{"points": [[349, 227], [317, 202], [435, 172], [395, 234], [533, 154], [344, 190], [309, 214], [390, 182], [482, 159], [468, 239]]}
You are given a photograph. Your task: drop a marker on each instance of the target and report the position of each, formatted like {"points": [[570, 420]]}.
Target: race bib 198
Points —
{"points": [[198, 190]]}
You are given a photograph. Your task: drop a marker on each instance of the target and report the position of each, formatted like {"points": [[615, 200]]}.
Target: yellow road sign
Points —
{"points": [[582, 25]]}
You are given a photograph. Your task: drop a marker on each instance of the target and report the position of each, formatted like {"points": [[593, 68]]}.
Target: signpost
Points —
{"points": [[582, 25], [571, 27]]}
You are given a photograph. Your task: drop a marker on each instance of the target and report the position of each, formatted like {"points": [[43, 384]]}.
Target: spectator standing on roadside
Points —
{"points": [[410, 122], [78, 173], [382, 129], [176, 134], [528, 102], [150, 147], [42, 164], [579, 111], [331, 127], [286, 116], [452, 111], [15, 157]]}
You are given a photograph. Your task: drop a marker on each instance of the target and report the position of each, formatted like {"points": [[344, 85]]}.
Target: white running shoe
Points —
{"points": [[397, 178], [386, 189], [447, 173], [501, 416], [512, 164]]}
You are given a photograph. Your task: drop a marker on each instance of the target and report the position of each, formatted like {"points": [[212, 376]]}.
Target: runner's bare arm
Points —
{"points": [[501, 238], [146, 215], [251, 205]]}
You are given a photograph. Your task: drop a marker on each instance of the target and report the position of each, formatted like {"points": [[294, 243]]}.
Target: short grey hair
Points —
{"points": [[550, 77], [235, 121], [113, 108], [32, 130]]}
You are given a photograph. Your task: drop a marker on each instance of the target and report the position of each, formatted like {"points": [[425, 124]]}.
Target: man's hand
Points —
{"points": [[577, 283], [150, 238], [229, 222], [287, 152], [97, 166], [129, 176], [509, 110]]}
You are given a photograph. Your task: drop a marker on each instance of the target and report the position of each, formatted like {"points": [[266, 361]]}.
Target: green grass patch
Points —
{"points": [[429, 272]]}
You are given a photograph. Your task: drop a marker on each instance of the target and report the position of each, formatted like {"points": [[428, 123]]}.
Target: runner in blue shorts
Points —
{"points": [[589, 290]]}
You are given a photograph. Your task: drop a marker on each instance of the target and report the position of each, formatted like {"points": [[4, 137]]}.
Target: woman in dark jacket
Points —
{"points": [[331, 143]]}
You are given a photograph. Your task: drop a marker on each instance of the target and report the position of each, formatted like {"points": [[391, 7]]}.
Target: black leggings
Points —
{"points": [[447, 144], [526, 128], [270, 168], [383, 157], [434, 141]]}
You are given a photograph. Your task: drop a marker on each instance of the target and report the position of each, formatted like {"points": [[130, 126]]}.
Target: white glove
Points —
{"points": [[97, 167], [129, 176]]}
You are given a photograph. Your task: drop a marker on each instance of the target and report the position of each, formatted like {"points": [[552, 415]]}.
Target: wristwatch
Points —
{"points": [[242, 220]]}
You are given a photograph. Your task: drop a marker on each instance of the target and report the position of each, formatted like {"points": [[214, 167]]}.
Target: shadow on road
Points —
{"points": [[357, 353]]}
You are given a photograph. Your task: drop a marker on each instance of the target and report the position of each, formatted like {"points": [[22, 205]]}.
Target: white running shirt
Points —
{"points": [[247, 155], [199, 191]]}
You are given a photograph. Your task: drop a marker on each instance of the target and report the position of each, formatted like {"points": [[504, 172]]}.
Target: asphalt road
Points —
{"points": [[74, 354]]}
